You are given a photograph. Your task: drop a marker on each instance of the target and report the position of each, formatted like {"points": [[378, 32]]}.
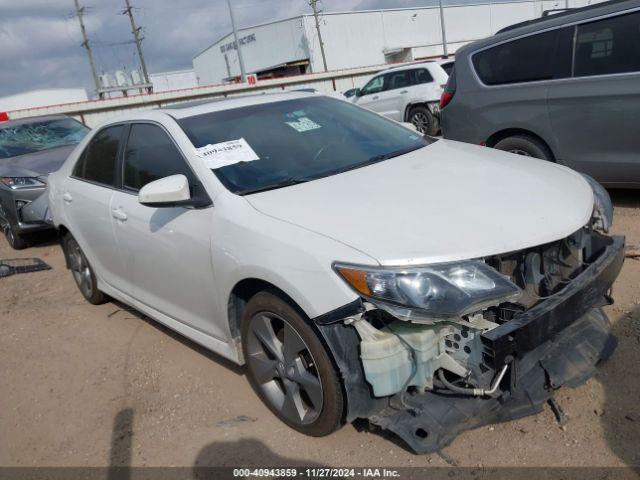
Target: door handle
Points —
{"points": [[374, 98], [118, 214], [403, 91], [67, 197]]}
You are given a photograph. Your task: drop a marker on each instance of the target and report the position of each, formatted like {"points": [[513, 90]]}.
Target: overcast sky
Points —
{"points": [[40, 39]]}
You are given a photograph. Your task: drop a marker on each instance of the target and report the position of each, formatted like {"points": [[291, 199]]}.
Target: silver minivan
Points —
{"points": [[564, 88]]}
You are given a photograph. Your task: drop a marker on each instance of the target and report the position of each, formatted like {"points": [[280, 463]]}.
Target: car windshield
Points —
{"points": [[273, 145], [39, 135]]}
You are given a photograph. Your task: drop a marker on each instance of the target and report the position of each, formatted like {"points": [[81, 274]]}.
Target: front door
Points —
{"points": [[167, 250]]}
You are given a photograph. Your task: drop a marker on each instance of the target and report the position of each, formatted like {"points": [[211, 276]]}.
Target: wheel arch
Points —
{"points": [[411, 105], [246, 289], [510, 132]]}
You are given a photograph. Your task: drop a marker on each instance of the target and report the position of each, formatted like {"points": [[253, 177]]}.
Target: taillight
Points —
{"points": [[4, 117], [445, 99]]}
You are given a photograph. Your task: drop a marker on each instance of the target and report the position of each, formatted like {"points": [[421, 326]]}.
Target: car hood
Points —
{"points": [[448, 201], [35, 164]]}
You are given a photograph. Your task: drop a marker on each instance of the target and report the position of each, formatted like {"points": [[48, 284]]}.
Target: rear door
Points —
{"points": [[596, 114], [86, 197], [166, 250]]}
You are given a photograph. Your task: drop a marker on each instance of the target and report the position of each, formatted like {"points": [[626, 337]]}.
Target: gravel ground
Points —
{"points": [[85, 385]]}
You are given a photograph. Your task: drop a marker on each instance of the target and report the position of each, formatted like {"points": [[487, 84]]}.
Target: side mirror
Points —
{"points": [[170, 191], [358, 92]]}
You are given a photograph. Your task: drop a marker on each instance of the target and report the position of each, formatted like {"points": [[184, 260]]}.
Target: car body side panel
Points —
{"points": [[595, 122]]}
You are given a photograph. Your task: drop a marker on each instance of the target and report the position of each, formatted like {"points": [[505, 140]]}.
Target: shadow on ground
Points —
{"points": [[120, 308], [621, 384]]}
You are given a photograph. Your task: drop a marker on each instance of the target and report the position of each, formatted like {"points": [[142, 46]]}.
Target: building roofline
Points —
{"points": [[349, 12]]}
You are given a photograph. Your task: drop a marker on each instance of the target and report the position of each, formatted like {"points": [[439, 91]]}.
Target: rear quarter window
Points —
{"points": [[543, 56]]}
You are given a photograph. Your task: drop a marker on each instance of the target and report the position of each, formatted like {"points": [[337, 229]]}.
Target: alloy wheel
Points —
{"points": [[284, 368], [420, 121], [80, 268]]}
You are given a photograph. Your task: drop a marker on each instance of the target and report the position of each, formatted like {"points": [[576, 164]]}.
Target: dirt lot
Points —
{"points": [[94, 386]]}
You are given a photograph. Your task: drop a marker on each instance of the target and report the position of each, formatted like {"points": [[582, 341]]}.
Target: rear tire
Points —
{"points": [[289, 368], [82, 271], [525, 145], [424, 121], [15, 240]]}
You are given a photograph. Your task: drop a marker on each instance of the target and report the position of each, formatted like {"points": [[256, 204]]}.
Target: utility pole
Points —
{"points": [[85, 44], [243, 73], [445, 53], [136, 35], [314, 6]]}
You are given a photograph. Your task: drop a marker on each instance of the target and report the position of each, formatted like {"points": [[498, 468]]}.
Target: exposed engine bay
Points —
{"points": [[428, 379], [397, 354]]}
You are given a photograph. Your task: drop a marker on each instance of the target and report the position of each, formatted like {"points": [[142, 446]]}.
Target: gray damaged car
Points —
{"points": [[31, 149]]}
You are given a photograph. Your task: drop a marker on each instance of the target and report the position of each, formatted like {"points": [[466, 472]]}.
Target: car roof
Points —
{"points": [[560, 19], [410, 66], [190, 109], [26, 121]]}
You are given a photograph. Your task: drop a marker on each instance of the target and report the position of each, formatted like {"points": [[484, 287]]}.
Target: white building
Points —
{"points": [[362, 38], [175, 80], [43, 97]]}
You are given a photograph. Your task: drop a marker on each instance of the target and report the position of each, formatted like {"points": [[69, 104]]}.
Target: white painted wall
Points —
{"points": [[167, 81], [358, 39], [39, 98]]}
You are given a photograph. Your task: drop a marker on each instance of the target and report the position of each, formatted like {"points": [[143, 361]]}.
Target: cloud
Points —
{"points": [[41, 41]]}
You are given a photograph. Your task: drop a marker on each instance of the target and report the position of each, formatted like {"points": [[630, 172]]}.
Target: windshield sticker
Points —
{"points": [[227, 153], [303, 124]]}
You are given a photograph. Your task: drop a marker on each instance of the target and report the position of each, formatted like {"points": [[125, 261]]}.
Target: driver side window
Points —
{"points": [[375, 85], [151, 155]]}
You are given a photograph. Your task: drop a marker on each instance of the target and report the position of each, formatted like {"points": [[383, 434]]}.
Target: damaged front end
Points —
{"points": [[429, 352]]}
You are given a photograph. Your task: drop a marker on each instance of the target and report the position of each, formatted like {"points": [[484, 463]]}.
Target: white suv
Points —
{"points": [[357, 268], [406, 94]]}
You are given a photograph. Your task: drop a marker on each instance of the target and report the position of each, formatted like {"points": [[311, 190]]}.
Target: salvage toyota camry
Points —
{"points": [[358, 268]]}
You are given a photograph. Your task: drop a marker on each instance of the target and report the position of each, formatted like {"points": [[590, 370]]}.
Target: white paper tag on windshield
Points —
{"points": [[227, 153], [303, 124]]}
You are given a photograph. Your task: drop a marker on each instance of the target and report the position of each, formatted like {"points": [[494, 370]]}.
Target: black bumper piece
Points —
{"points": [[532, 328], [433, 420]]}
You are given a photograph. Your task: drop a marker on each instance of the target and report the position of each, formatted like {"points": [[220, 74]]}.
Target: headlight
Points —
{"points": [[22, 182], [602, 206], [430, 292]]}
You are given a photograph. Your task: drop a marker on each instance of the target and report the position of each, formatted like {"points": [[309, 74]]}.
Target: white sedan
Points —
{"points": [[357, 268]]}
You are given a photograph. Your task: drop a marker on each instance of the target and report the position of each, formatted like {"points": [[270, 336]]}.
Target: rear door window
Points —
{"points": [[150, 155], [608, 46], [543, 56], [98, 163], [399, 79]]}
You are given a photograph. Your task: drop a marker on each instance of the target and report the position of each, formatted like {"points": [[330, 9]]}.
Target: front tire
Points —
{"points": [[289, 368], [82, 272], [525, 145]]}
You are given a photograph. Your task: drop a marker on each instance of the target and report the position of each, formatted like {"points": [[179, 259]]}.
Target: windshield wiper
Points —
{"points": [[376, 159], [287, 182]]}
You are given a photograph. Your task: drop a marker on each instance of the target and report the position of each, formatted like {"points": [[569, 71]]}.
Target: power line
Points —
{"points": [[243, 73], [137, 39], [85, 43], [316, 12]]}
